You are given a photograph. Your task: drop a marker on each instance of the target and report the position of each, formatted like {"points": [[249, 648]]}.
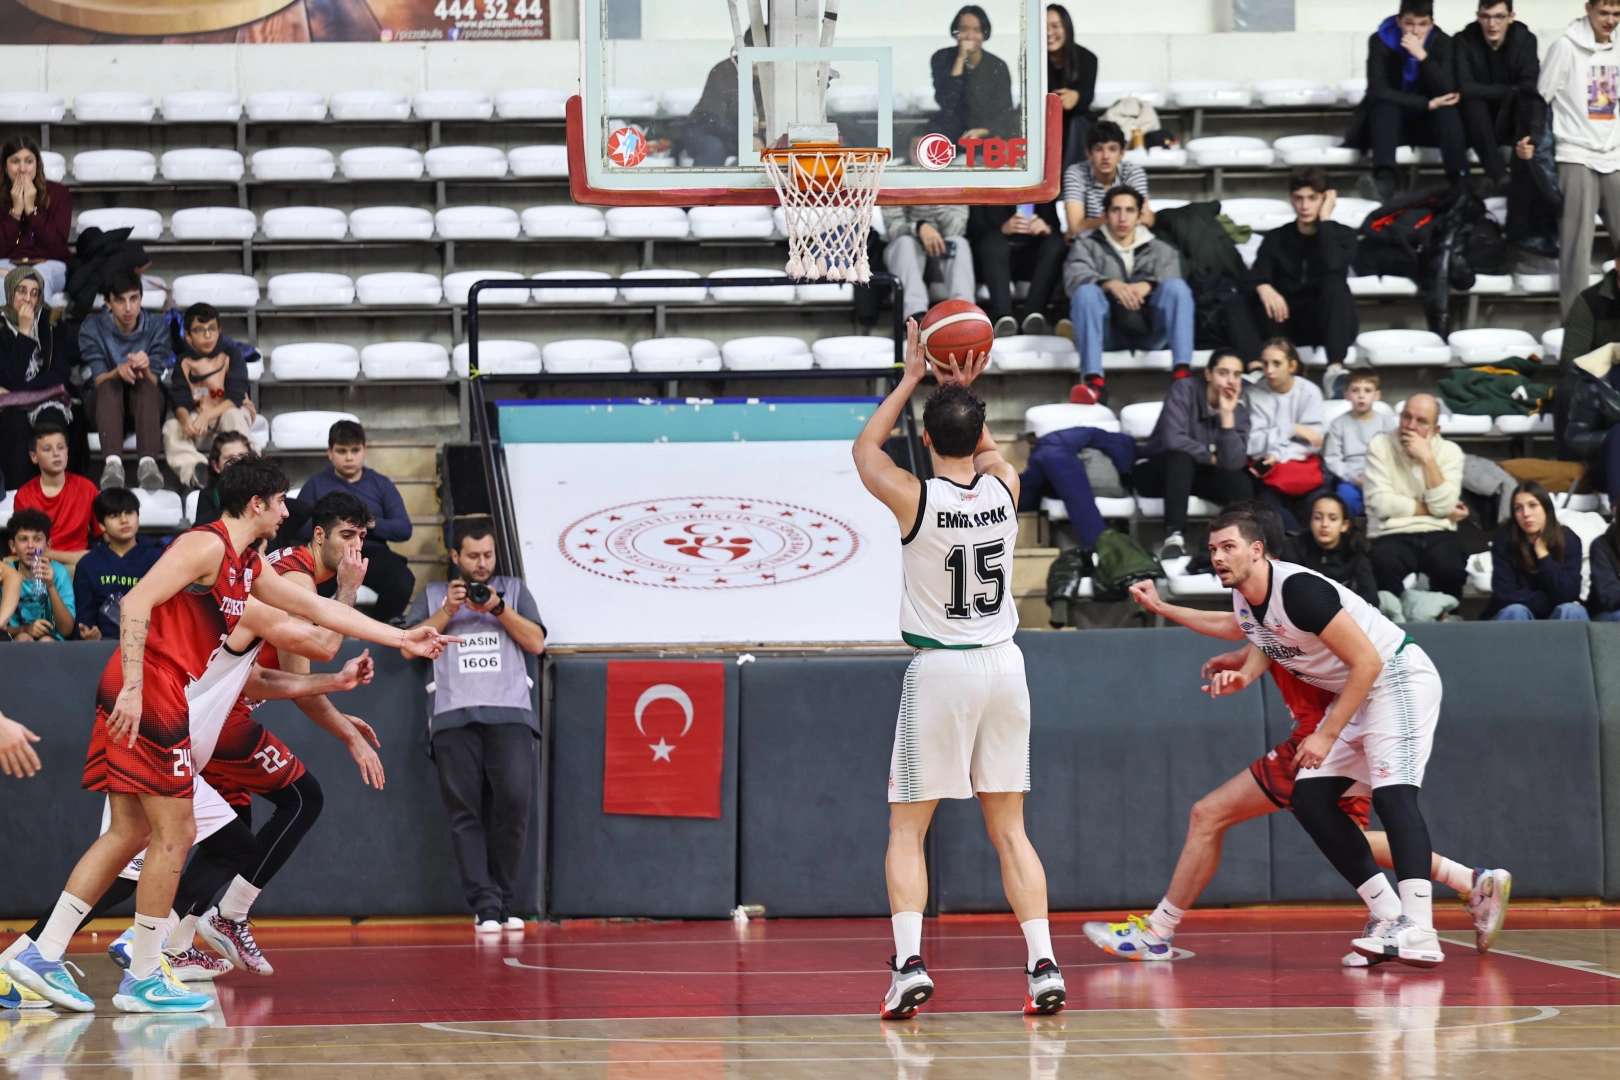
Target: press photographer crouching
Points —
{"points": [[483, 725]]}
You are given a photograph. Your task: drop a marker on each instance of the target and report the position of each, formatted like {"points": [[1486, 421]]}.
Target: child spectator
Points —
{"points": [[1535, 563], [62, 496], [128, 354], [1086, 184], [1345, 450], [228, 447], [1336, 547], [1285, 439], [113, 566], [45, 609], [34, 230], [1603, 602], [208, 387]]}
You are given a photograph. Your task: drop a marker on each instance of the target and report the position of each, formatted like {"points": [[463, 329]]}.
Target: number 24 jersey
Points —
{"points": [[957, 562]]}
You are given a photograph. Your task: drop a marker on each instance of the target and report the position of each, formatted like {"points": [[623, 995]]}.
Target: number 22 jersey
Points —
{"points": [[957, 562]]}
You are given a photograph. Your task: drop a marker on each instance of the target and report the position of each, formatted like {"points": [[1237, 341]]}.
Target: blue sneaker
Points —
{"points": [[49, 979], [158, 994], [119, 950], [10, 993], [1129, 940]]}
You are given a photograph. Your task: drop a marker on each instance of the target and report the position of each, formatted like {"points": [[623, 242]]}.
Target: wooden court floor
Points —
{"points": [[1255, 994]]}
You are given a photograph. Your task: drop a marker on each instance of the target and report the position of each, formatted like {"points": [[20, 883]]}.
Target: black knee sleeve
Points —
{"points": [[217, 860], [1408, 833], [298, 805], [1315, 804]]}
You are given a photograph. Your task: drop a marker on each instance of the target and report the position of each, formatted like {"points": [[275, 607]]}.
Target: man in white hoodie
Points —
{"points": [[1580, 79]]}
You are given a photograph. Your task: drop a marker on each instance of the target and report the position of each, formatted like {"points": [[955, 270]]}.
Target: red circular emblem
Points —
{"points": [[627, 147], [708, 542], [935, 152]]}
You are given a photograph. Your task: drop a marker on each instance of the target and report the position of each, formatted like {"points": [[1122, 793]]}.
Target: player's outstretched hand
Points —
{"points": [[1227, 661], [916, 358], [351, 572], [371, 768], [425, 642], [357, 672], [1147, 594], [1223, 683], [365, 731], [17, 758], [1314, 750], [125, 718], [961, 372]]}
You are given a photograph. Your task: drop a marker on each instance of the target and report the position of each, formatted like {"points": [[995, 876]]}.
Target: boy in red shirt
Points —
{"points": [[64, 496]]}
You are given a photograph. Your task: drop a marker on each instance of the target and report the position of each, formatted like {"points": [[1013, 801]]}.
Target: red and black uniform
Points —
{"points": [[249, 759], [1275, 772], [185, 632]]}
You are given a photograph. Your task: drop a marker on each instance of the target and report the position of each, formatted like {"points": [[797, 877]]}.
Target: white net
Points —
{"points": [[827, 197]]}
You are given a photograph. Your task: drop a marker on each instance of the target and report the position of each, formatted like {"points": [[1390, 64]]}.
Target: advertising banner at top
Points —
{"points": [[107, 22]]}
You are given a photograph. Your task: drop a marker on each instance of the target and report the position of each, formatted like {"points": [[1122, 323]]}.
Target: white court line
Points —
{"points": [[1574, 965], [512, 961]]}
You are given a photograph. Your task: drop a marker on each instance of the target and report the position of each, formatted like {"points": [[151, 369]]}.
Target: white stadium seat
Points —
{"points": [[1456, 423], [1491, 285], [1294, 93], [1352, 211], [1034, 352], [1233, 151], [1385, 285], [305, 105], [294, 163], [1112, 509], [1205, 93], [531, 104], [1417, 155], [680, 100], [31, 107], [232, 291], [305, 223], [750, 294], [1496, 209], [154, 295], [391, 223], [210, 106], [259, 433], [542, 160], [555, 221], [675, 355], [1138, 420], [160, 509], [305, 430], [213, 223], [1042, 420], [631, 103], [1487, 346], [1315, 150], [466, 163], [460, 283], [398, 288], [1183, 585], [310, 290], [477, 223], [255, 370], [766, 353], [576, 296], [1403, 348], [192, 497], [924, 100], [55, 166], [369, 105], [113, 106], [586, 356], [1351, 91], [143, 224], [648, 223], [1535, 283], [660, 293], [1158, 206], [1196, 507], [1261, 215], [405, 360], [498, 357], [1538, 424], [314, 360], [853, 353], [1109, 93], [731, 222], [114, 166], [381, 163], [1552, 344], [453, 105], [1157, 157], [824, 292]]}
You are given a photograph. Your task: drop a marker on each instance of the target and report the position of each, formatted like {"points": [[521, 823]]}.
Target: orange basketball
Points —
{"points": [[955, 327]]}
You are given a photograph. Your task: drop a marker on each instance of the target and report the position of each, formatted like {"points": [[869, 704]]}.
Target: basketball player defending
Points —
{"points": [[963, 728], [140, 747]]}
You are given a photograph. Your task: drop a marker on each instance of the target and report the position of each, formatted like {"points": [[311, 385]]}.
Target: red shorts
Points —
{"points": [[160, 761], [249, 760], [1275, 775]]}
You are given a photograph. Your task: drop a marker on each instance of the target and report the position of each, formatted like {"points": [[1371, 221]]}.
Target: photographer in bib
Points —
{"points": [[483, 723]]}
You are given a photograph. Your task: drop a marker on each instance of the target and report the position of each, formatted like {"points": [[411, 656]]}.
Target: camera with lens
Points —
{"points": [[478, 593]]}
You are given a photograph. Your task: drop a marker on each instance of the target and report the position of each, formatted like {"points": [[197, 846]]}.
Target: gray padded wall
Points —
{"points": [[1605, 642]]}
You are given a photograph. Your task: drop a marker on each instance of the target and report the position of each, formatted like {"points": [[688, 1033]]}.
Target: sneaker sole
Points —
{"points": [[126, 1003], [910, 1002], [26, 977], [1421, 958], [1050, 1001], [1484, 939]]}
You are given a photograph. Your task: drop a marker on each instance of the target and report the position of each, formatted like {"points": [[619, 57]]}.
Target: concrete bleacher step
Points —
{"points": [[427, 536], [1029, 531], [1030, 567], [1034, 613], [421, 496]]}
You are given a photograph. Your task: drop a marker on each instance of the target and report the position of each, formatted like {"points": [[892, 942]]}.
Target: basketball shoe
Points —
{"points": [[1487, 902], [1353, 959], [1132, 939], [49, 979], [159, 992], [1404, 940], [1046, 990], [234, 941], [194, 965], [909, 987]]}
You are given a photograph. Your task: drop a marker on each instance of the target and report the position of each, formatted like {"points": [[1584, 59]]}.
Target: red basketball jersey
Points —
{"points": [[287, 560]]}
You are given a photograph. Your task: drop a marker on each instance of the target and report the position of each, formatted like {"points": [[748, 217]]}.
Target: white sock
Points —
{"points": [[907, 935], [1038, 936], [1381, 899], [59, 928], [181, 937], [1456, 875], [239, 898], [22, 942], [1417, 901], [1165, 918], [148, 944]]}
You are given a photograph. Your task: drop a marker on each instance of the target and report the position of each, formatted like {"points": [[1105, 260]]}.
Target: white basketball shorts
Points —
{"points": [[209, 808], [1389, 739], [963, 727]]}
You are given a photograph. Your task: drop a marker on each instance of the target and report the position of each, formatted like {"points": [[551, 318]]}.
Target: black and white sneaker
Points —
{"points": [[1035, 323], [1175, 546], [1006, 326], [1046, 990], [909, 987]]}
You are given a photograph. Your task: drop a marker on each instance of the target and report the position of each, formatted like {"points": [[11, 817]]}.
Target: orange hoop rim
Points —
{"points": [[784, 154]]}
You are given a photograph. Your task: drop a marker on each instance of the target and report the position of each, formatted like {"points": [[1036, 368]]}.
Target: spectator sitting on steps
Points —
{"points": [[1497, 70], [34, 230], [1603, 601], [924, 236], [228, 447], [45, 609], [1087, 183], [128, 354], [1413, 490], [1344, 451], [1301, 275], [972, 86], [63, 496], [1009, 244], [208, 388], [1587, 417], [1535, 563], [1285, 426], [113, 566], [34, 363], [1335, 547], [1056, 468]]}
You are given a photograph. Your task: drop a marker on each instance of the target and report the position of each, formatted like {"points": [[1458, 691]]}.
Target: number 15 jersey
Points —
{"points": [[957, 562]]}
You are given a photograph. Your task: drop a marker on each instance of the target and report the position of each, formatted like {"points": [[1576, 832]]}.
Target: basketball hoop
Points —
{"points": [[827, 194]]}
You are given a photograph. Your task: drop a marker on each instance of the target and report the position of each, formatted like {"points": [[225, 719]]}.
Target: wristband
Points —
{"points": [[499, 609]]}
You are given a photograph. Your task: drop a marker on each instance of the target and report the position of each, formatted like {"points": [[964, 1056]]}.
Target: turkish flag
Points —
{"points": [[666, 738]]}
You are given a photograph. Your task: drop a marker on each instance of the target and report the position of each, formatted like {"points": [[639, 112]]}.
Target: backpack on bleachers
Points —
{"points": [[1425, 237]]}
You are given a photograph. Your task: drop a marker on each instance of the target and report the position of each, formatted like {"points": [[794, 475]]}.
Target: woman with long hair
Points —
{"points": [[1535, 563], [33, 372], [1071, 74], [1287, 425], [39, 214], [1336, 547], [1603, 602]]}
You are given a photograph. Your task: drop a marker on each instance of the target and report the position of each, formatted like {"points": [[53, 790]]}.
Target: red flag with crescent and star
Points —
{"points": [[666, 738]]}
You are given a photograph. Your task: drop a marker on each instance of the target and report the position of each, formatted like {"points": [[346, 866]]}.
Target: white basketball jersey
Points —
{"points": [[211, 698], [958, 566], [1301, 652]]}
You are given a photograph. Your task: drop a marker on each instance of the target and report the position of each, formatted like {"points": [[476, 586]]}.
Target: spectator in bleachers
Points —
{"points": [[1535, 563], [1592, 322], [1071, 74], [1286, 420], [34, 231], [1411, 97], [1587, 418], [34, 369], [1198, 447], [1413, 492], [45, 609], [1086, 184], [1344, 446], [1056, 469], [63, 496], [1578, 81], [1126, 291], [228, 446], [1603, 599], [1497, 69], [972, 87], [1010, 244], [209, 388], [920, 235], [128, 353], [113, 566], [710, 135], [1335, 546], [1301, 272], [389, 575]]}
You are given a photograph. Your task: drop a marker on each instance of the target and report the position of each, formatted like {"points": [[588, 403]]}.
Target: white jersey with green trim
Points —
{"points": [[1301, 651], [957, 562]]}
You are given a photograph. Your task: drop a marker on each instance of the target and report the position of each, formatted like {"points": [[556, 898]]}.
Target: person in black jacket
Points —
{"points": [[1535, 563], [710, 135], [1411, 96], [33, 372], [973, 87], [1013, 242], [1586, 417], [1071, 74], [1603, 601], [1497, 69], [1336, 547]]}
